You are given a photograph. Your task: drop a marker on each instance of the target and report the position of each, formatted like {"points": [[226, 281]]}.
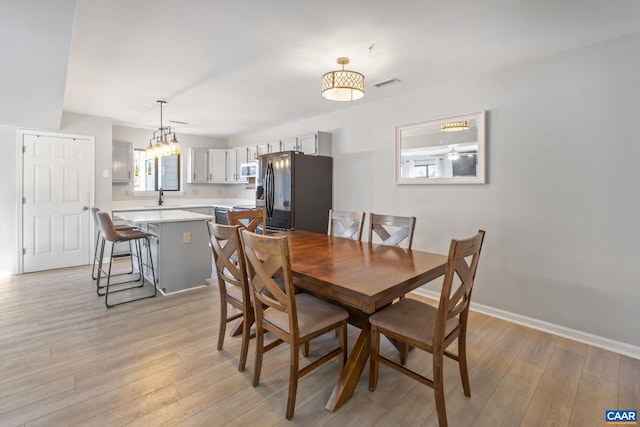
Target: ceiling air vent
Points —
{"points": [[387, 82], [178, 123]]}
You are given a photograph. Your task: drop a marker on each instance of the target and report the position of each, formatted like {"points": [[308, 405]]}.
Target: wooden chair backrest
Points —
{"points": [[462, 264], [392, 230], [249, 219], [267, 256], [346, 224], [228, 256]]}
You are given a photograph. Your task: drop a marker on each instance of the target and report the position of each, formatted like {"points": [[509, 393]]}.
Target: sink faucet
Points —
{"points": [[160, 201]]}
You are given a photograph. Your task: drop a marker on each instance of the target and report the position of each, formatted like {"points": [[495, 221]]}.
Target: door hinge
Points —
{"points": [[24, 148], [24, 200], [24, 251]]}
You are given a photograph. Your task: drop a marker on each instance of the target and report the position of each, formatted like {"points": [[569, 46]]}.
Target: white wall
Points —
{"points": [[8, 195], [98, 127], [561, 226], [140, 139]]}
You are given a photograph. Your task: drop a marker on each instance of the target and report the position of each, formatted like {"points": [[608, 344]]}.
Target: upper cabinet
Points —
{"points": [[289, 144], [315, 144], [224, 166], [252, 153], [216, 165], [198, 166], [269, 147], [122, 160]]}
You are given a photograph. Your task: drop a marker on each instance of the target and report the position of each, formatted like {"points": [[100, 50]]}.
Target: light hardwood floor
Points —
{"points": [[67, 360]]}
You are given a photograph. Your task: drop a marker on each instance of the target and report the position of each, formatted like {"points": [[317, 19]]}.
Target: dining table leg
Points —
{"points": [[350, 375]]}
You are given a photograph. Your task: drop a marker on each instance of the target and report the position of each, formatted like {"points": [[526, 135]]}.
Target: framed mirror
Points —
{"points": [[450, 150]]}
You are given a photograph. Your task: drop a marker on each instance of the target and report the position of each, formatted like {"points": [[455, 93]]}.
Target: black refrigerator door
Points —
{"points": [[273, 189]]}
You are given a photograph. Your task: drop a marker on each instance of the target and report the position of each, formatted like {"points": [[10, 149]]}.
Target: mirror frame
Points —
{"points": [[480, 177]]}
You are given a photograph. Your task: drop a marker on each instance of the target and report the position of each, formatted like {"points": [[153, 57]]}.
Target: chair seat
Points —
{"points": [[133, 234], [234, 292], [313, 314], [408, 318]]}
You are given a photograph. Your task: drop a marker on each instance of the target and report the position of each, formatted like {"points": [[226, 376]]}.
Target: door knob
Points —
{"points": [[85, 208]]}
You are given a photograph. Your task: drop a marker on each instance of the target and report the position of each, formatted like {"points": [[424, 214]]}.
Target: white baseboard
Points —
{"points": [[561, 331]]}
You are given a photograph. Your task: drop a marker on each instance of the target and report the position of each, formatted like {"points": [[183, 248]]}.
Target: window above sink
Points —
{"points": [[149, 175]]}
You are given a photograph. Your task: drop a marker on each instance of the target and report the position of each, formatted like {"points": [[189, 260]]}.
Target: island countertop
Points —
{"points": [[158, 216]]}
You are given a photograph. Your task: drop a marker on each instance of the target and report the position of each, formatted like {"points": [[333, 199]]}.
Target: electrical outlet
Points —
{"points": [[186, 237]]}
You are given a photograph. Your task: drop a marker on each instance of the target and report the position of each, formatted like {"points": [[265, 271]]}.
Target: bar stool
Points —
{"points": [[134, 236], [118, 227]]}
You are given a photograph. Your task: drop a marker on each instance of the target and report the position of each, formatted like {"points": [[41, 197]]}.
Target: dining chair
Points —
{"points": [[392, 230], [432, 329], [232, 281], [292, 318], [346, 224], [135, 236], [249, 219]]}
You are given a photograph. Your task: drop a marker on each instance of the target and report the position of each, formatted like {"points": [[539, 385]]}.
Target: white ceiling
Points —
{"points": [[228, 68]]}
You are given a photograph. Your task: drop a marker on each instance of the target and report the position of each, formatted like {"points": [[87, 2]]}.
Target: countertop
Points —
{"points": [[169, 204], [157, 216]]}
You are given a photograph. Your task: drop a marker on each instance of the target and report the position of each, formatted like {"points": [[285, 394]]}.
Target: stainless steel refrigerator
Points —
{"points": [[295, 190]]}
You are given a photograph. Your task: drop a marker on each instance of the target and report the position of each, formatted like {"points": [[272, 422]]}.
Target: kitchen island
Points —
{"points": [[179, 246]]}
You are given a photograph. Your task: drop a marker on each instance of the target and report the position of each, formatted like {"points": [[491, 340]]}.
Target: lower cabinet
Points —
{"points": [[181, 255]]}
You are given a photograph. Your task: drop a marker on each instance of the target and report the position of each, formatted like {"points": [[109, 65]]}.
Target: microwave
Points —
{"points": [[248, 170]]}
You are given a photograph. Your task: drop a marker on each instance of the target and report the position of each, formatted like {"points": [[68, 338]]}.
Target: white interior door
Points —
{"points": [[57, 191]]}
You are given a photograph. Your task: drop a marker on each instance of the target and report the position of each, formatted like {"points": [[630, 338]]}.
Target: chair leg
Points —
{"points": [[246, 336], [106, 292], [131, 257], [95, 257], [153, 271], [99, 276], [373, 358], [259, 351], [223, 320], [305, 349], [293, 381], [462, 363], [138, 245], [438, 388], [404, 353]]}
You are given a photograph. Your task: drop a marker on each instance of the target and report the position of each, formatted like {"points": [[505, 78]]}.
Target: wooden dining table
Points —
{"points": [[362, 277]]}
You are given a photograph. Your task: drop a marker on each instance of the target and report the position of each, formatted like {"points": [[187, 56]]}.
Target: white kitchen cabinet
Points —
{"points": [[269, 147], [252, 153], [289, 144], [317, 144], [122, 161], [224, 165], [230, 175], [217, 165], [242, 156], [198, 166]]}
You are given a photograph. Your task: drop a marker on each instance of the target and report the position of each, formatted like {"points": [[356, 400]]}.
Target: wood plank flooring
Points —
{"points": [[67, 360]]}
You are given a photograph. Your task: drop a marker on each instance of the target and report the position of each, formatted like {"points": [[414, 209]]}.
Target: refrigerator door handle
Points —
{"points": [[269, 190], [272, 190]]}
